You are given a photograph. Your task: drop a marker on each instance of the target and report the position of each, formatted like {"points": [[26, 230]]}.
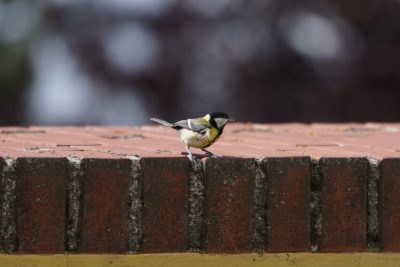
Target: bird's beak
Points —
{"points": [[230, 119]]}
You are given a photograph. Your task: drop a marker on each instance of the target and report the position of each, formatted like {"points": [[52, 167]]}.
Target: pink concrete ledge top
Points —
{"points": [[248, 140]]}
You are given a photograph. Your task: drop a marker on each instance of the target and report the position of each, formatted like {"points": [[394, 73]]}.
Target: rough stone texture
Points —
{"points": [[390, 204], [196, 205], [344, 204], [75, 177], [136, 206], [105, 206], [288, 204], [2, 165], [229, 205], [165, 204], [373, 237], [40, 204], [316, 197], [260, 195], [8, 222]]}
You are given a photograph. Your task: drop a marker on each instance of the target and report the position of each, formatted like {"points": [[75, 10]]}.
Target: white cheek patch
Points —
{"points": [[221, 122]]}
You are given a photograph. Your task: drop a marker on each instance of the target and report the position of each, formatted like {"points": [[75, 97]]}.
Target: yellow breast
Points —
{"points": [[214, 135], [198, 140]]}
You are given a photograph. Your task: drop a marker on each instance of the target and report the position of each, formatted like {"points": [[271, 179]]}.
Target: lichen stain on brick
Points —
{"points": [[8, 226], [196, 205], [373, 235], [135, 224], [315, 205], [259, 198], [75, 176]]}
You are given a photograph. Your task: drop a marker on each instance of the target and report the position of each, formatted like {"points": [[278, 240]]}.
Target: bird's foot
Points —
{"points": [[210, 154], [191, 157]]}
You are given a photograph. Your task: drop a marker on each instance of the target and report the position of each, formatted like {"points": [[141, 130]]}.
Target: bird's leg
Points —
{"points": [[210, 154], [190, 156]]}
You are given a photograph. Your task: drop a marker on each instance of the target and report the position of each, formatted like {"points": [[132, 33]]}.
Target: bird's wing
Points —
{"points": [[192, 125]]}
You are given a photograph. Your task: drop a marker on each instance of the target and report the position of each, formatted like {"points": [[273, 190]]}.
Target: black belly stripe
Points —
{"points": [[215, 139]]}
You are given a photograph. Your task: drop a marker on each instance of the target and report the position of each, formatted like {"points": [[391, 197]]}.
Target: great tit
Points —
{"points": [[199, 132]]}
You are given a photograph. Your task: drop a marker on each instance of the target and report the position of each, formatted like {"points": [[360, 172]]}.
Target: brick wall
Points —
{"points": [[278, 188]]}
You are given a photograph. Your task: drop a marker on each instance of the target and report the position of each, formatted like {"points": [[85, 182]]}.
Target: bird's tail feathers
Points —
{"points": [[162, 122]]}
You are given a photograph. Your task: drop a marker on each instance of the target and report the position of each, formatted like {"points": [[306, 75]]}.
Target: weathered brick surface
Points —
{"points": [[390, 204], [344, 204], [165, 207], [105, 206], [229, 205], [288, 204], [2, 164], [40, 204]]}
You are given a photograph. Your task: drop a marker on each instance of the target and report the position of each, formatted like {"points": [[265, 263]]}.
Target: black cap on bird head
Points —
{"points": [[219, 119], [219, 114]]}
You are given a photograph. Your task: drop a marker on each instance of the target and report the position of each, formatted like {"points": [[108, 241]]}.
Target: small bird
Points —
{"points": [[199, 132]]}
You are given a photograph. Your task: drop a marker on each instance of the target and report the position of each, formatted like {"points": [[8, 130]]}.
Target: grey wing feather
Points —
{"points": [[192, 125]]}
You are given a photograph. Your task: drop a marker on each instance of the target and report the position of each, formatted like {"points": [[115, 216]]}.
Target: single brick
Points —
{"points": [[40, 204], [288, 204], [165, 204], [344, 204], [2, 165], [389, 199], [229, 205], [105, 206]]}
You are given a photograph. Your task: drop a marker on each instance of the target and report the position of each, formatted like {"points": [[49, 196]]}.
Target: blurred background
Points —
{"points": [[118, 62]]}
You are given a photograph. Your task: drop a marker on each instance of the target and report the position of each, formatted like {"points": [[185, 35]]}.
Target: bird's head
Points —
{"points": [[218, 119]]}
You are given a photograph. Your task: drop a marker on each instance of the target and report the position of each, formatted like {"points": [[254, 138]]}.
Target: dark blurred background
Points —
{"points": [[119, 62]]}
